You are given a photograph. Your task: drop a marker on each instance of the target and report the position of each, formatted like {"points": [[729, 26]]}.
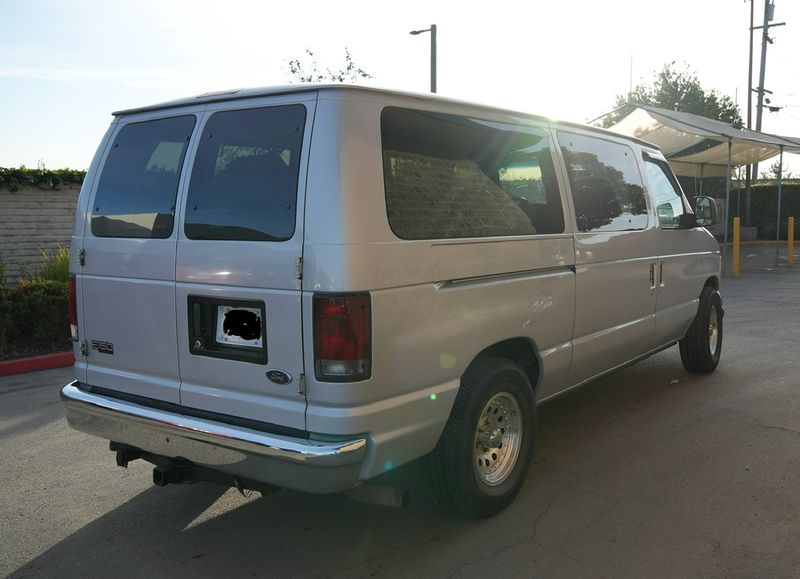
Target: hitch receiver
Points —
{"points": [[125, 453]]}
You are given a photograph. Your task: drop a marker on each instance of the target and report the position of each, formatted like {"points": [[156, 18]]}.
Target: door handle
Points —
{"points": [[652, 276], [661, 274]]}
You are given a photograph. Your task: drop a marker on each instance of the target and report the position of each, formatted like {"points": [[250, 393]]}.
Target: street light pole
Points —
{"points": [[433, 58], [432, 30]]}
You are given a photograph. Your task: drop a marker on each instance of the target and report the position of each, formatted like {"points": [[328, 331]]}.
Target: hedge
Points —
{"points": [[764, 205], [34, 318], [14, 179], [763, 202]]}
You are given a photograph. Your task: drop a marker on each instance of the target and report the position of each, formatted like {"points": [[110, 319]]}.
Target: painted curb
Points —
{"points": [[34, 363]]}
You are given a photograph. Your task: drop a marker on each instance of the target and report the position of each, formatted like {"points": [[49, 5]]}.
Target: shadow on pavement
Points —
{"points": [[168, 532], [204, 530]]}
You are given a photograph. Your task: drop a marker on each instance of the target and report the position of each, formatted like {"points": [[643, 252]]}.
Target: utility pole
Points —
{"points": [[749, 119], [769, 14]]}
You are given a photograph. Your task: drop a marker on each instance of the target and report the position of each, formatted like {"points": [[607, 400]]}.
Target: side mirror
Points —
{"points": [[705, 209]]}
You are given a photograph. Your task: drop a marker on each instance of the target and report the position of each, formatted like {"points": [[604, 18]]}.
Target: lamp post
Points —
{"points": [[432, 30]]}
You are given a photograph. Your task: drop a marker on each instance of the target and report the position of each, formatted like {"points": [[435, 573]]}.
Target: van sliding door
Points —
{"points": [[615, 249]]}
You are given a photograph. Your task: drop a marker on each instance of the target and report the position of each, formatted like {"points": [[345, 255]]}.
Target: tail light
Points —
{"points": [[73, 309], [342, 338]]}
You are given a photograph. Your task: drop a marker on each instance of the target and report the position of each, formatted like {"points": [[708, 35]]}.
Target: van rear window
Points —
{"points": [[451, 177], [137, 188], [244, 181]]}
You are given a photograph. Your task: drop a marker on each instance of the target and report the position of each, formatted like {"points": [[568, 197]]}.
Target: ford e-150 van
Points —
{"points": [[308, 286]]}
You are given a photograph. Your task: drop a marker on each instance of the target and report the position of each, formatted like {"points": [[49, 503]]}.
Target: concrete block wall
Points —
{"points": [[32, 220]]}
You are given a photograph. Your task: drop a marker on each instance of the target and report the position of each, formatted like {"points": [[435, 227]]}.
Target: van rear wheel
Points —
{"points": [[486, 448], [702, 346]]}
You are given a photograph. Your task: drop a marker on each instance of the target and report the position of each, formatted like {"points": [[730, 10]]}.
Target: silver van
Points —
{"points": [[308, 286]]}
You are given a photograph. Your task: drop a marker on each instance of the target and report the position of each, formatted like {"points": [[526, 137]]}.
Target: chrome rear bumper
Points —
{"points": [[307, 465]]}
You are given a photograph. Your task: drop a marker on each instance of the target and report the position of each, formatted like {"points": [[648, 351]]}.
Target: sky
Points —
{"points": [[66, 65]]}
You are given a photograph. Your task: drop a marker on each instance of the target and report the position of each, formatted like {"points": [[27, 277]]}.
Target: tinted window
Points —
{"points": [[606, 184], [448, 177], [137, 188], [666, 192], [244, 180]]}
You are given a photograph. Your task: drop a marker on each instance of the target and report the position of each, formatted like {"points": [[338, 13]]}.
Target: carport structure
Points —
{"points": [[700, 147]]}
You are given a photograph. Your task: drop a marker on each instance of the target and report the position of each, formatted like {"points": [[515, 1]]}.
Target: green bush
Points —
{"points": [[13, 178], [764, 204], [34, 318]]}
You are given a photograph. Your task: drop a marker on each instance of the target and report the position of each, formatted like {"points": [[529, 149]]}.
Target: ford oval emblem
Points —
{"points": [[279, 377]]}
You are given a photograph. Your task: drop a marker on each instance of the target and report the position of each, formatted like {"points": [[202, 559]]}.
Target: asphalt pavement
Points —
{"points": [[649, 472]]}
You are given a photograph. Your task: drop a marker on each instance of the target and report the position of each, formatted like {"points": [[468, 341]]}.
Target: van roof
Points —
{"points": [[245, 93]]}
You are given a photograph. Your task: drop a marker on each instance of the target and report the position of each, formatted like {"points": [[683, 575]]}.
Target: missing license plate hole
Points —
{"points": [[239, 326]]}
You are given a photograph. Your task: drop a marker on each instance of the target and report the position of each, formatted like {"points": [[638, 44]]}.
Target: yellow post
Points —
{"points": [[790, 243], [736, 253]]}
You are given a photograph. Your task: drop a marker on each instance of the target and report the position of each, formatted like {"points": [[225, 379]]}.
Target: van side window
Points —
{"points": [[606, 184], [244, 181], [666, 192], [136, 193], [448, 177]]}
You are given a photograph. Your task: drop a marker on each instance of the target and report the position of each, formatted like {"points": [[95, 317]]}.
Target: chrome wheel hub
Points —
{"points": [[713, 331], [498, 439]]}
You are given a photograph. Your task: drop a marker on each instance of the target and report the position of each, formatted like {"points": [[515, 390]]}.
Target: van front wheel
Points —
{"points": [[485, 451], [702, 345]]}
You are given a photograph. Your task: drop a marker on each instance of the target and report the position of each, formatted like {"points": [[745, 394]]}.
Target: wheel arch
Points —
{"points": [[519, 350], [712, 282]]}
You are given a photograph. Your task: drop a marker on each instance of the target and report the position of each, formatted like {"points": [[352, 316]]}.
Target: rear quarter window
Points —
{"points": [[448, 176], [244, 180], [139, 182]]}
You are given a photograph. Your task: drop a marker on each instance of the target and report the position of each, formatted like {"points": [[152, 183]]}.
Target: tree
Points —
{"points": [[774, 171], [309, 71], [677, 90]]}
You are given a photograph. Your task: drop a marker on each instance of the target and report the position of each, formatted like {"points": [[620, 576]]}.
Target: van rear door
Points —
{"points": [[238, 292], [127, 279]]}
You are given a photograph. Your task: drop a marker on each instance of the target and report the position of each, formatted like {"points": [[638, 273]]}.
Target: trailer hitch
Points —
{"points": [[125, 453]]}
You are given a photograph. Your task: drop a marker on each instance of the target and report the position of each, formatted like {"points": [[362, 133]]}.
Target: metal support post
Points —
{"points": [[736, 247], [702, 167], [780, 192], [727, 203]]}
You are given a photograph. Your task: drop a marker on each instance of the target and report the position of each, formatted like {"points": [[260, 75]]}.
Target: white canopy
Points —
{"points": [[675, 132]]}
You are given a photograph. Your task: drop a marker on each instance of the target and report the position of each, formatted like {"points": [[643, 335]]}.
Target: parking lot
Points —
{"points": [[648, 472]]}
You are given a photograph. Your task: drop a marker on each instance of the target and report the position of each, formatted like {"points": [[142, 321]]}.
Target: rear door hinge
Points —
{"points": [[84, 349], [298, 268], [82, 257], [301, 385]]}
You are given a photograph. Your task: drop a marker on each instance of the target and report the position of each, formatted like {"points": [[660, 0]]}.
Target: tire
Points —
{"points": [[494, 392], [702, 345]]}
